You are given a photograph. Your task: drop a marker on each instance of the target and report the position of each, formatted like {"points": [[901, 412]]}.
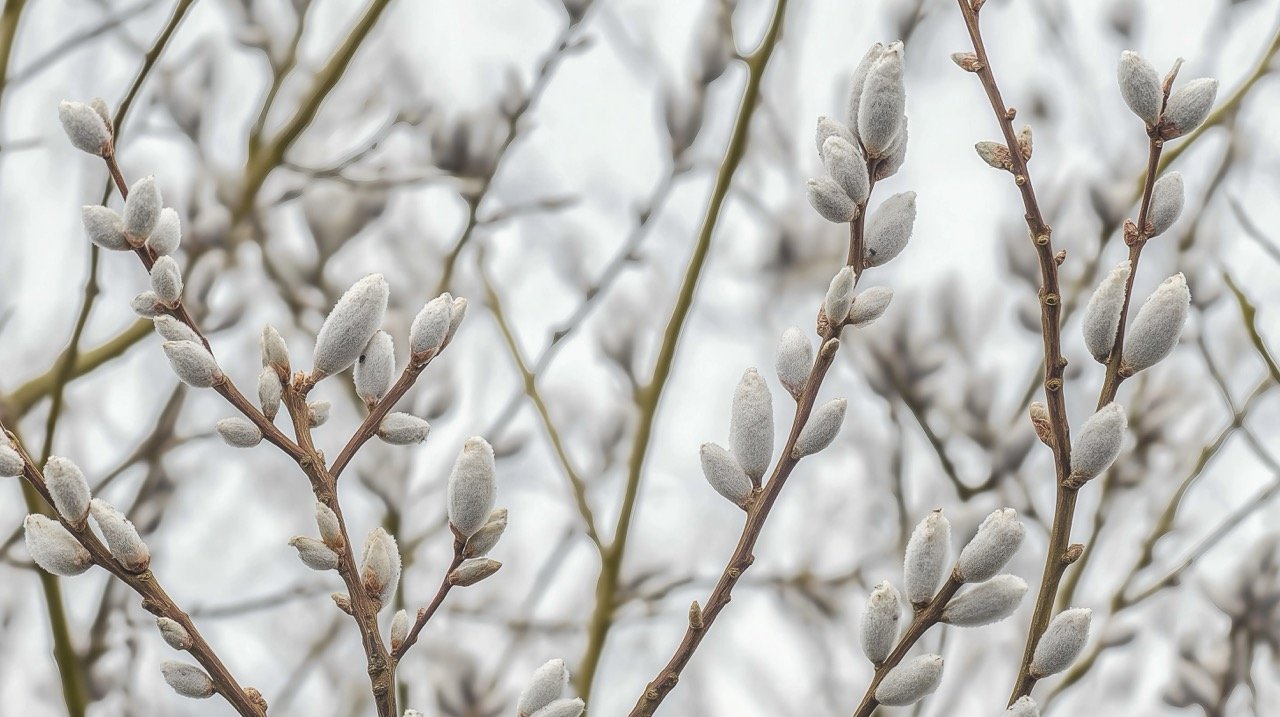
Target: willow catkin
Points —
{"points": [[84, 127], [829, 200], [166, 280], [375, 370], [399, 630], [353, 321], [858, 83], [544, 687], [567, 707], [11, 463], [1102, 313], [315, 554], [870, 305], [274, 350], [829, 127], [68, 487], [1140, 87], [985, 603], [192, 363], [896, 156], [173, 633], [166, 236], [1156, 329], [473, 487], [104, 227], [1024, 707], [1167, 198], [484, 539], [998, 538], [1061, 642], [431, 325], [403, 429], [751, 425], [270, 392], [142, 210], [910, 681], [889, 228], [925, 561], [239, 432], [821, 429], [880, 619], [186, 679], [53, 547], [473, 571], [846, 165], [725, 474], [121, 537], [794, 360], [1098, 444], [884, 100], [380, 566], [329, 526], [1187, 108], [170, 329]]}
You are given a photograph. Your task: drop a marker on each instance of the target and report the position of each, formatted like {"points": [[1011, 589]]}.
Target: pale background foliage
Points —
{"points": [[954, 351]]}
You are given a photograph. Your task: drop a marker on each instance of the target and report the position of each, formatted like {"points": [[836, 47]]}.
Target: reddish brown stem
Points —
{"points": [[425, 614]]}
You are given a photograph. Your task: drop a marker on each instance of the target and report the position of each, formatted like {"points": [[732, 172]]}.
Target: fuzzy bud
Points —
{"points": [[329, 526], [846, 166], [1140, 87], [794, 360], [1158, 325], [880, 622], [1188, 107], [167, 234], [910, 681], [352, 322], [839, 298], [889, 229], [725, 474], [546, 686], [380, 567], [870, 305], [121, 537], [484, 539], [1098, 444], [166, 280], [457, 313], [1025, 143], [399, 630], [187, 680], [170, 329], [270, 391], [827, 128], [1024, 707], [1166, 203], [893, 160], [860, 82], [104, 227], [192, 363], [1061, 642], [11, 463], [318, 413], [1041, 422], [174, 634], [472, 487], [402, 429], [926, 558], [142, 210], [431, 325], [1102, 314], [68, 487], [751, 425], [53, 547], [147, 305], [830, 201], [992, 601], [342, 601], [239, 432], [84, 127], [821, 428], [314, 553], [473, 571], [884, 100], [995, 154], [375, 371], [998, 538], [274, 351], [567, 707]]}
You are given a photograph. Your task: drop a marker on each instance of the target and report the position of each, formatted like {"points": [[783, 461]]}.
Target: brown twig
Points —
{"points": [[424, 615]]}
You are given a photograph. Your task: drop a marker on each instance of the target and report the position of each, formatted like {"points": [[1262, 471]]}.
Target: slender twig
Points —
{"points": [[424, 615]]}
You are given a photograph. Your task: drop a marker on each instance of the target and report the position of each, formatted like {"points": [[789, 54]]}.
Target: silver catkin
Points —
{"points": [[870, 305], [566, 707], [484, 539], [859, 83], [880, 619], [239, 432], [431, 325], [353, 321], [988, 602], [1187, 107], [998, 538], [889, 228], [829, 127], [1024, 707], [166, 280], [847, 167], [1156, 329], [910, 681], [1098, 444], [174, 634], [473, 487], [104, 227], [725, 474], [472, 571], [84, 127], [1102, 313], [375, 370], [1167, 198], [11, 463], [829, 200], [121, 537], [167, 234], [403, 429], [170, 329], [270, 391], [1140, 87], [544, 687], [53, 548], [329, 526], [187, 680], [821, 429], [192, 363], [67, 485], [1061, 642], [380, 565], [794, 360], [751, 425], [926, 557], [142, 209], [884, 100], [315, 554], [839, 296]]}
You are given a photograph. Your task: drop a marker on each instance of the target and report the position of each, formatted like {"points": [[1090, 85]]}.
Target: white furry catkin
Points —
{"points": [[412, 713], [821, 428], [170, 329], [68, 487], [846, 166], [147, 305], [274, 351], [473, 487], [567, 707], [829, 127], [166, 280], [121, 537], [1061, 642], [375, 371], [1140, 87], [104, 227], [1166, 203], [380, 567], [402, 429], [328, 525], [1158, 325], [859, 83], [880, 618], [830, 201], [270, 391], [991, 601], [399, 630], [318, 413], [896, 156], [926, 557], [751, 425], [457, 313], [839, 296], [910, 681], [11, 464], [1187, 107], [725, 474], [546, 686], [998, 538], [884, 100], [142, 210], [794, 360], [473, 571], [1098, 444], [1024, 707], [431, 325], [84, 127], [167, 234], [870, 305], [1102, 314], [314, 553], [53, 547], [484, 539], [239, 432], [192, 363], [352, 322], [174, 634], [889, 229], [187, 680]]}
